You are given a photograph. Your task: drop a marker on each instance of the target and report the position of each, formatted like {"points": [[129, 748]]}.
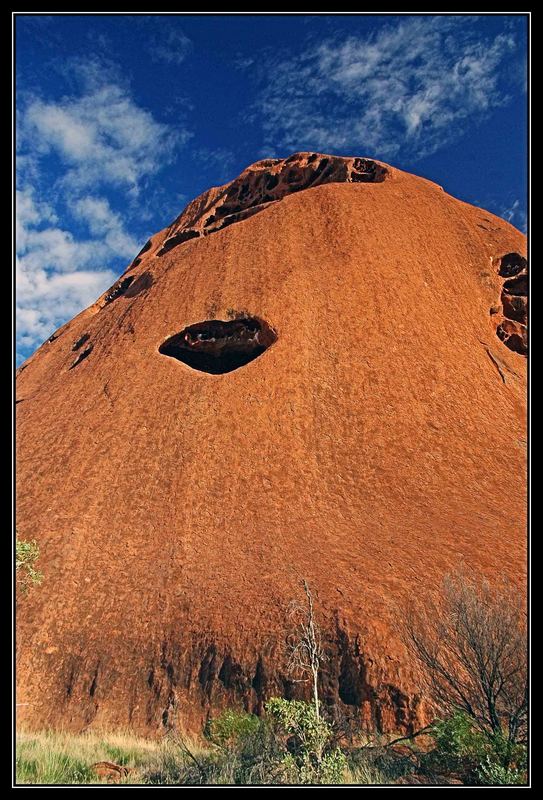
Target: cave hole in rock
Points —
{"points": [[82, 339], [511, 264], [350, 684], [140, 284], [177, 238], [515, 307], [216, 346], [515, 339], [517, 286], [147, 246], [512, 330], [82, 355], [118, 289]]}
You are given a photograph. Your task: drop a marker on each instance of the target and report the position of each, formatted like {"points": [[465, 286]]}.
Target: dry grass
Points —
{"points": [[53, 757], [67, 758]]}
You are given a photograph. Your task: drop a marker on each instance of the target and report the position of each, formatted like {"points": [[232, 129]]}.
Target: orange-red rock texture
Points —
{"points": [[367, 434]]}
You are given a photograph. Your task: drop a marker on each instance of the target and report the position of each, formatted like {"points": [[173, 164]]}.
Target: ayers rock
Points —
{"points": [[317, 371]]}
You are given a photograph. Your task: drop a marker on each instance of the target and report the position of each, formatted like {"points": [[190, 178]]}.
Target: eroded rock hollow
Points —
{"points": [[512, 329], [218, 346], [261, 184]]}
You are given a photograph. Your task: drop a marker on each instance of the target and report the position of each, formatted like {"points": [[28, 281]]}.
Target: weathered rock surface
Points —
{"points": [[511, 324], [261, 184], [374, 442]]}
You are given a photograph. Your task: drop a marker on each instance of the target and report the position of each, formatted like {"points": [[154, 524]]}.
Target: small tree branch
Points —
{"points": [[409, 736]]}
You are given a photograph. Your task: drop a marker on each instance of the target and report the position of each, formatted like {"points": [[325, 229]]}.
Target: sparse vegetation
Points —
{"points": [[310, 756], [464, 750], [472, 649], [26, 555], [233, 313], [232, 728], [63, 758], [287, 745], [492, 774]]}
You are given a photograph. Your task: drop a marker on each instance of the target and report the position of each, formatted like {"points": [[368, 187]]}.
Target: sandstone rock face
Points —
{"points": [[324, 380]]}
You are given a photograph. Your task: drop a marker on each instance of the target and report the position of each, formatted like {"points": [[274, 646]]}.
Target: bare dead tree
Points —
{"points": [[306, 653], [472, 646]]}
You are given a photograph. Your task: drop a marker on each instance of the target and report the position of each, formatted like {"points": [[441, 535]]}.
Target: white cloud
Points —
{"points": [[72, 152], [56, 274], [43, 245], [45, 301], [410, 87], [29, 212], [101, 135], [103, 222], [243, 62]]}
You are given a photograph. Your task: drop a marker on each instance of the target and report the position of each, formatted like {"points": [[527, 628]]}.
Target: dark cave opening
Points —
{"points": [[216, 346], [511, 264], [517, 286], [118, 289]]}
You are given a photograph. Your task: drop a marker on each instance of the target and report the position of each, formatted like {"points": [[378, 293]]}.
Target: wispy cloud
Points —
{"points": [[105, 224], [216, 162], [56, 274], [101, 136], [171, 46], [515, 214], [46, 301], [408, 88], [76, 154]]}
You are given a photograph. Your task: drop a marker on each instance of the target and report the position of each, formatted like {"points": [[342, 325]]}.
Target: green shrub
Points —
{"points": [[490, 773], [457, 741], [231, 728], [290, 744], [303, 768], [478, 757], [26, 554], [311, 757]]}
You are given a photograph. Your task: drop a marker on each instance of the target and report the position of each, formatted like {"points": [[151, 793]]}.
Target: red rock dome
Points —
{"points": [[318, 371]]}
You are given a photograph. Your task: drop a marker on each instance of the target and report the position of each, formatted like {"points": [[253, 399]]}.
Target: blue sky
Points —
{"points": [[121, 120]]}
